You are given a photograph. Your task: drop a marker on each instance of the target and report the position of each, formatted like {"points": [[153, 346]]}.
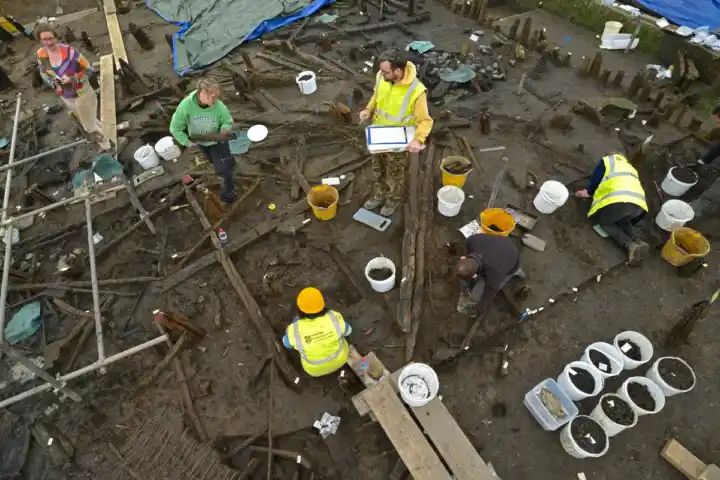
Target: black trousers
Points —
{"points": [[619, 220], [224, 164], [712, 153]]}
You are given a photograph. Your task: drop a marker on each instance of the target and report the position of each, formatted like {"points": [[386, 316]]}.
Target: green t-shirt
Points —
{"points": [[191, 119]]}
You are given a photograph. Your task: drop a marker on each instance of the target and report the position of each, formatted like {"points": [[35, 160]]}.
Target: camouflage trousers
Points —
{"points": [[389, 176]]}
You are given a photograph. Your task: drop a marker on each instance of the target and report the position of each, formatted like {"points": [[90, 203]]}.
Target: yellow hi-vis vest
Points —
{"points": [[320, 342], [621, 184], [395, 102]]}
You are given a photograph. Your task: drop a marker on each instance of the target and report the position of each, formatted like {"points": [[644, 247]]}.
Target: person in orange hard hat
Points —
{"points": [[318, 334]]}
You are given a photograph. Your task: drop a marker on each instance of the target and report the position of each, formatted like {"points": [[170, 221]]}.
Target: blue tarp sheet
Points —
{"points": [[210, 29], [691, 13]]}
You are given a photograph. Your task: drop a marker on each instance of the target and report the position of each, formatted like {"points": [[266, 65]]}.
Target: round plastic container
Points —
{"points": [[610, 426], [166, 148], [616, 360], [673, 215], [499, 218], [674, 187], [323, 200], [653, 374], [646, 348], [381, 286], [572, 448], [684, 246], [655, 391], [412, 382], [552, 195], [612, 27], [307, 82], [146, 157], [457, 179], [450, 200], [569, 387]]}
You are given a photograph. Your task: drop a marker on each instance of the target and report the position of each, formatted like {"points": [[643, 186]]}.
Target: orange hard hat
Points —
{"points": [[310, 300]]}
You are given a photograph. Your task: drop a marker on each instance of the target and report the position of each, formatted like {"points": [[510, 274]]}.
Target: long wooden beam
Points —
{"points": [[108, 115], [116, 39]]}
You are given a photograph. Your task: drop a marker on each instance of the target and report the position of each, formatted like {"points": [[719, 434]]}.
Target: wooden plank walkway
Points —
{"points": [[404, 426]]}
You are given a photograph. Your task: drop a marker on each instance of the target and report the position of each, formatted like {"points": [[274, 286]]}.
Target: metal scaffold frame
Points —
{"points": [[7, 222]]}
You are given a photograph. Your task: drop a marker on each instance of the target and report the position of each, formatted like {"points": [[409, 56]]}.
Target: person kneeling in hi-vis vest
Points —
{"points": [[400, 99], [618, 203], [318, 334]]}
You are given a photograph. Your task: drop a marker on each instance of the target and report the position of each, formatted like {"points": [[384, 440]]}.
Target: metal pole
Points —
{"points": [[93, 278], [27, 363], [42, 154], [84, 370], [8, 227]]}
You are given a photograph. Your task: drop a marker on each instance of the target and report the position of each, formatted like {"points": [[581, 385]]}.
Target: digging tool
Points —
{"points": [[680, 333]]}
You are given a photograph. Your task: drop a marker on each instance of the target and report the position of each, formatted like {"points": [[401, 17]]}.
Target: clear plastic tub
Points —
{"points": [[539, 411]]}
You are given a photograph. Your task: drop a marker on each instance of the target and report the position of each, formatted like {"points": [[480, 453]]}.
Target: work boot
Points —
{"points": [[388, 209], [373, 203], [637, 251]]}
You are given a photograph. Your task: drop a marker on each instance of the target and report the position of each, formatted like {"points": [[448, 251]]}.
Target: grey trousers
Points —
{"points": [[709, 202]]}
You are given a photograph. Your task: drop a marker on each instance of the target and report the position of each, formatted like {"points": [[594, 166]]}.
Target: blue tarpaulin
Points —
{"points": [[691, 13], [210, 29]]}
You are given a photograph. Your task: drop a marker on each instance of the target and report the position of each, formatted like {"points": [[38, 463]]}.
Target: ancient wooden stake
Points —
{"points": [[265, 329], [605, 77], [645, 88], [584, 67], [695, 124], [411, 8], [659, 99], [512, 33], [86, 41], [619, 76], [404, 309], [636, 84], [142, 38], [5, 81], [596, 65], [525, 32]]}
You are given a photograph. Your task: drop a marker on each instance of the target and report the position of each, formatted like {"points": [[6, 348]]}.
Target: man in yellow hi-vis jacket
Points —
{"points": [[618, 203], [318, 334], [400, 99]]}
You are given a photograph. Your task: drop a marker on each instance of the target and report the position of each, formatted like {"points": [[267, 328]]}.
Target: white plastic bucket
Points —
{"points": [[552, 195], [146, 157], [307, 82], [166, 148], [616, 360], [654, 374], [646, 348], [612, 28], [673, 215], [418, 384], [569, 387], [655, 391], [572, 448], [610, 426], [674, 187], [381, 286], [450, 200]]}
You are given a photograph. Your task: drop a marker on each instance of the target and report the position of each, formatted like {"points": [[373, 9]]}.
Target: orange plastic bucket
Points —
{"points": [[455, 179], [497, 221], [324, 200]]}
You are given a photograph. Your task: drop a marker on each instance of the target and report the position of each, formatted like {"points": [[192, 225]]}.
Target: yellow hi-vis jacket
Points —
{"points": [[396, 101], [320, 342], [621, 184]]}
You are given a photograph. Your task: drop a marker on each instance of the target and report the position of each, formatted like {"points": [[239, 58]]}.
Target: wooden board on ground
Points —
{"points": [[421, 460], [452, 443], [116, 39], [108, 116], [687, 463], [71, 17]]}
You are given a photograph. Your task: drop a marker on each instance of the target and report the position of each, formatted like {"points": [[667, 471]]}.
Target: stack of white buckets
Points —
{"points": [[656, 386], [149, 157]]}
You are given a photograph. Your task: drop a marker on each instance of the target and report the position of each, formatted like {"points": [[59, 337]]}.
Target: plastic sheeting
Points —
{"points": [[211, 29], [692, 13]]}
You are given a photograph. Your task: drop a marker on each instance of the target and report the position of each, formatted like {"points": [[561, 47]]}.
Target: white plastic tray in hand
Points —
{"points": [[381, 138]]}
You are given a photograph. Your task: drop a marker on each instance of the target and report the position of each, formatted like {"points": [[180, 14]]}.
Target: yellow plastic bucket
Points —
{"points": [[324, 200], [497, 221], [455, 179], [685, 245]]}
